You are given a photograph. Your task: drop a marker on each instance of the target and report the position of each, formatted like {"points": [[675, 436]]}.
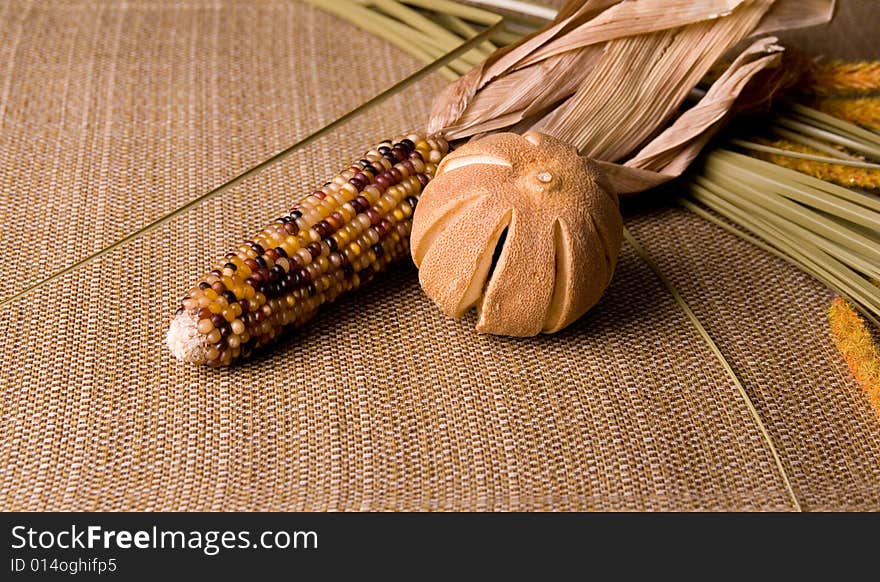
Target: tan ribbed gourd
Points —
{"points": [[519, 227], [331, 242]]}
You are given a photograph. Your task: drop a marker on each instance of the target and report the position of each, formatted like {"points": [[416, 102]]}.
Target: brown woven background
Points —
{"points": [[113, 114]]}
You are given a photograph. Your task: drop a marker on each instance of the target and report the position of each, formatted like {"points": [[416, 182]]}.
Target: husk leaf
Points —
{"points": [[610, 78]]}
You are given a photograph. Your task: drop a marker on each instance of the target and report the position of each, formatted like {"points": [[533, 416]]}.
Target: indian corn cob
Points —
{"points": [[331, 242]]}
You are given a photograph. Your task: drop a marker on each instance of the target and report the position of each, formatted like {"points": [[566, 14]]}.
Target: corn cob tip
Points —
{"points": [[184, 339]]}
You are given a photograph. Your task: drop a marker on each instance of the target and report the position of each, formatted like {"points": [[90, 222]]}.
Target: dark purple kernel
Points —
{"points": [[216, 273], [218, 320], [391, 158], [408, 166], [399, 152], [336, 219], [379, 250], [381, 183], [383, 228], [374, 216], [262, 262], [363, 203], [321, 229], [291, 228], [204, 285], [258, 248], [384, 150], [331, 242], [312, 289], [294, 214], [423, 179], [314, 249], [304, 275], [413, 201], [230, 297], [230, 266], [281, 252], [417, 154], [407, 143]]}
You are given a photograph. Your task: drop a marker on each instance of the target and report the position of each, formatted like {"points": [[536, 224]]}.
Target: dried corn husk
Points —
{"points": [[607, 76]]}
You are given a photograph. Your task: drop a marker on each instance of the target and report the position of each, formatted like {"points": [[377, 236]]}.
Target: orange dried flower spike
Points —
{"points": [[858, 348], [838, 174]]}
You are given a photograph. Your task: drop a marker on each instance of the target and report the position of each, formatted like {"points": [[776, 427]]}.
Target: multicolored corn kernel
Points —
{"points": [[330, 242]]}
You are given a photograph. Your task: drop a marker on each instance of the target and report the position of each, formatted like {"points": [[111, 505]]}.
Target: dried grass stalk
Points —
{"points": [[411, 31], [830, 232], [845, 172]]}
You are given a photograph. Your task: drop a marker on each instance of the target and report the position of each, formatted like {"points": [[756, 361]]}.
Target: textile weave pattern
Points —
{"points": [[112, 115]]}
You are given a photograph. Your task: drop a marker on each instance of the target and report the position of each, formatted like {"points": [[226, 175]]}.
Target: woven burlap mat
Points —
{"points": [[112, 115]]}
